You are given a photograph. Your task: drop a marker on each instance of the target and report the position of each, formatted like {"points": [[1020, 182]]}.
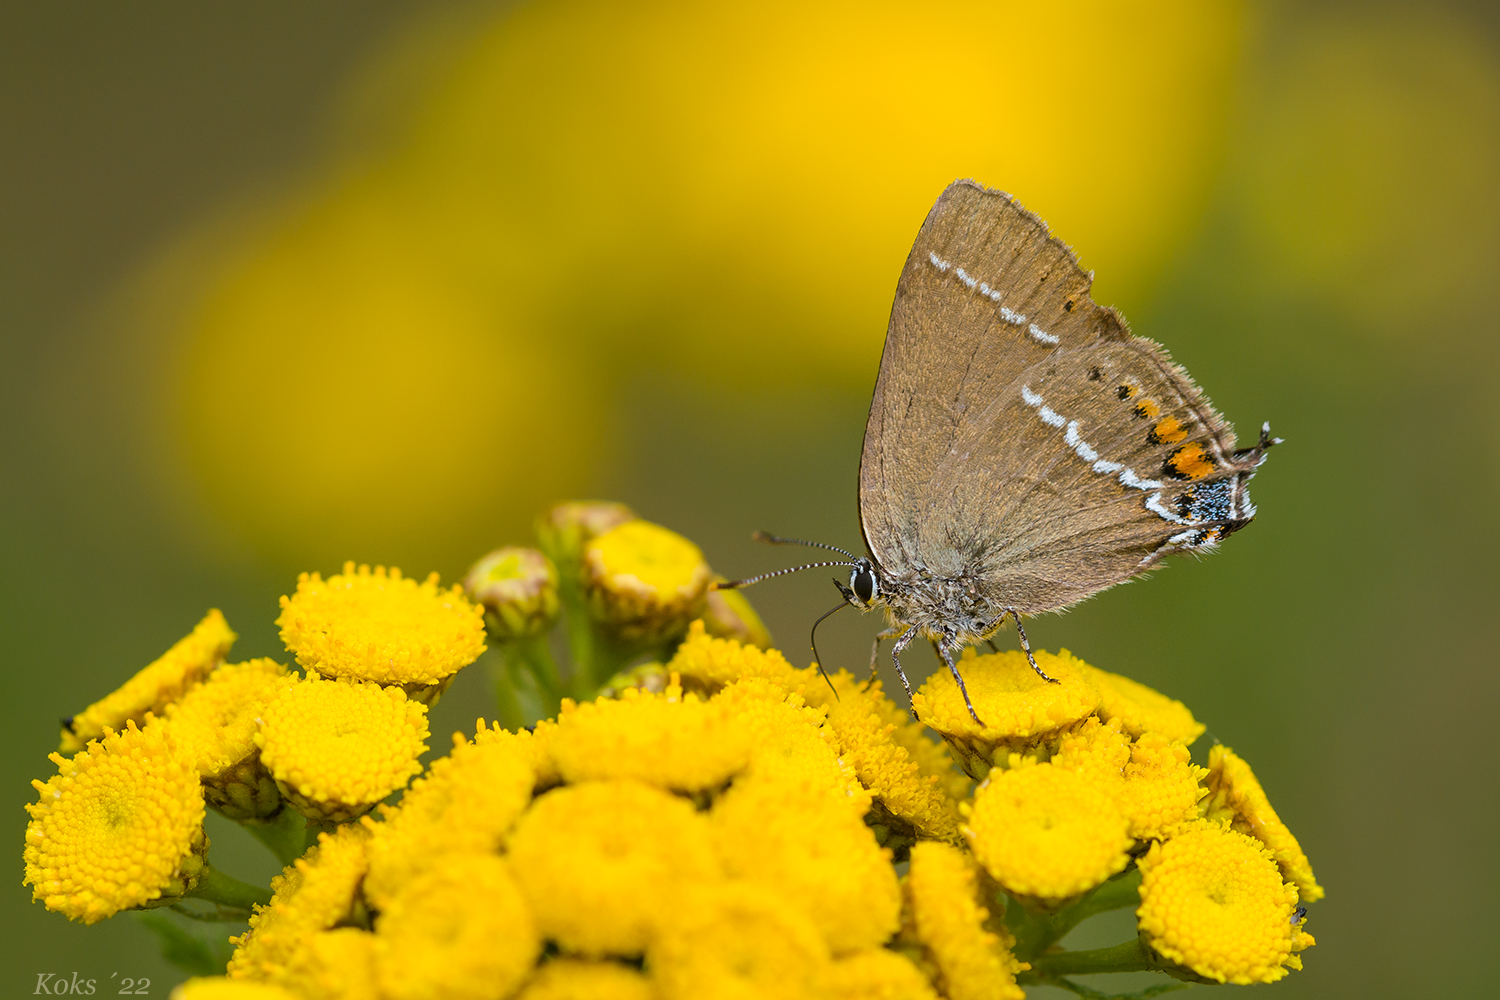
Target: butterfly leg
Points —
{"points": [[896, 651], [1021, 631], [883, 634], [946, 653]]}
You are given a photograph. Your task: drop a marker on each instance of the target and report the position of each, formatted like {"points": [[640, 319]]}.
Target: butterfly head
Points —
{"points": [[864, 584]]}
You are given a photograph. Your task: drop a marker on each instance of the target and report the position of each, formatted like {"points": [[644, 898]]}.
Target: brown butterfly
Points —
{"points": [[1024, 450]]}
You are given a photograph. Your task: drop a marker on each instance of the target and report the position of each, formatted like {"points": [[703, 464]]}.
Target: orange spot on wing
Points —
{"points": [[1169, 430], [1191, 462], [1147, 408]]}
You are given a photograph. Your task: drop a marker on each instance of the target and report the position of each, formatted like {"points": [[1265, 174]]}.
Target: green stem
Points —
{"points": [[216, 887], [1127, 956], [285, 835], [1036, 932]]}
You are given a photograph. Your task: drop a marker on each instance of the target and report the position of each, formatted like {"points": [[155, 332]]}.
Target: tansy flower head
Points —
{"points": [[119, 826], [790, 744], [878, 974], [675, 741], [1094, 748], [572, 979], [459, 930], [975, 963], [1046, 832], [599, 863], [1015, 704], [728, 614], [712, 662], [215, 723], [466, 803], [644, 583], [162, 682], [1140, 709], [336, 748], [1236, 796], [376, 625], [889, 759], [518, 589], [808, 846], [336, 964], [1162, 789], [312, 895], [737, 940], [1213, 900]]}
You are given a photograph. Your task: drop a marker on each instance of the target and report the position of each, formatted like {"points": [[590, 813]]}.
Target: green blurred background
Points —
{"points": [[282, 285]]}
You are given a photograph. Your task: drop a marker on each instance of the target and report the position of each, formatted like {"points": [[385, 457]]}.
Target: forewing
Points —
{"points": [[985, 295]]}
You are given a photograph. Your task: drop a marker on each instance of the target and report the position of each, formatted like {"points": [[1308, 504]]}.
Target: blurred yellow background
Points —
{"points": [[283, 287]]}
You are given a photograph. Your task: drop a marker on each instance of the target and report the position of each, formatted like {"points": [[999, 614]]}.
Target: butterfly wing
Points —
{"points": [[1019, 436]]}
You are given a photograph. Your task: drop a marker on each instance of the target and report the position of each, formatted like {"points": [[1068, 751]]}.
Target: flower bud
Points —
{"points": [[643, 583], [518, 588]]}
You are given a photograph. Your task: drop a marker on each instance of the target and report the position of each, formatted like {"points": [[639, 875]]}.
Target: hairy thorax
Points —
{"points": [[947, 609]]}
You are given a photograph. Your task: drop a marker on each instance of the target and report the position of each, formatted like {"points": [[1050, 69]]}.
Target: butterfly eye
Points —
{"points": [[862, 582]]}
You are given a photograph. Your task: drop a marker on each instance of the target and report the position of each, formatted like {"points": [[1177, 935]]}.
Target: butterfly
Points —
{"points": [[1024, 450]]}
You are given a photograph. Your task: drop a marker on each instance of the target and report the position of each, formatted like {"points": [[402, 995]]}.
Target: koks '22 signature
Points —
{"points": [[52, 984]]}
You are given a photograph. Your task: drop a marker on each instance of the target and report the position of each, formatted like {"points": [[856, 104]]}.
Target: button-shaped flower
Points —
{"points": [[377, 625], [338, 747], [119, 826], [1213, 900]]}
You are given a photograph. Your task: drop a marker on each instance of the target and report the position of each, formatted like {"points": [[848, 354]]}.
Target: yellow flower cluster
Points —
{"points": [[121, 825], [718, 839], [721, 824], [1082, 775]]}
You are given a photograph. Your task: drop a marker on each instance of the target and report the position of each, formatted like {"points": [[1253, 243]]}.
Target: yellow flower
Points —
{"points": [[737, 940], [313, 894], [337, 964], [878, 974], [380, 626], [1095, 749], [518, 588], [600, 863], [466, 803], [1162, 789], [1015, 704], [338, 747], [1141, 709], [1236, 796], [216, 722], [815, 853], [789, 743], [644, 583], [714, 662], [1046, 832], [224, 988], [460, 930], [1212, 899], [976, 964], [119, 826], [878, 739], [572, 979], [676, 742], [162, 682]]}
